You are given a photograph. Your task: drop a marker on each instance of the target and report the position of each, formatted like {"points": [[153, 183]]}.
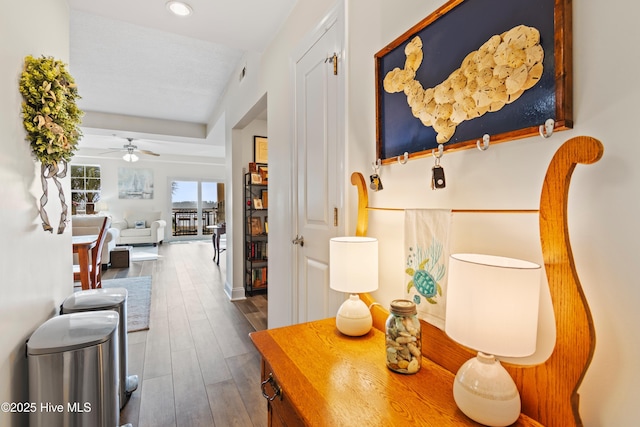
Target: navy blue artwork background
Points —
{"points": [[446, 42]]}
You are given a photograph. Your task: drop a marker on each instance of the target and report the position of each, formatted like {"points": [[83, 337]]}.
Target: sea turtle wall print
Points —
{"points": [[426, 268]]}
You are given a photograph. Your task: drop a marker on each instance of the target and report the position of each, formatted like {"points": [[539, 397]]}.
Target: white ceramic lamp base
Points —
{"points": [[353, 317], [486, 393]]}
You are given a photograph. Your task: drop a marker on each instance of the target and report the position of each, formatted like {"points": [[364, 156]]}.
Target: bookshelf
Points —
{"points": [[256, 234]]}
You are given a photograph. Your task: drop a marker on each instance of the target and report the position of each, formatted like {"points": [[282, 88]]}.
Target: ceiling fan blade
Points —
{"points": [[113, 150], [151, 153]]}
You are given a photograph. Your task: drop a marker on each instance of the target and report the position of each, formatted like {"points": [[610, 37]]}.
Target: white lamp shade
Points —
{"points": [[353, 264], [101, 206], [130, 157], [492, 304]]}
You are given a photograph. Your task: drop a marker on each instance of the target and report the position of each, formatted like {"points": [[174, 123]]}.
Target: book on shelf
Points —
{"points": [[255, 225], [259, 277], [257, 250]]}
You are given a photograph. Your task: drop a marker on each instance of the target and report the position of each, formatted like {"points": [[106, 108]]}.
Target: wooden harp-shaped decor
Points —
{"points": [[548, 390]]}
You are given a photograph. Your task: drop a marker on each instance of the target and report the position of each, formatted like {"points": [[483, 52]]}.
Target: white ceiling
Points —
{"points": [[145, 73]]}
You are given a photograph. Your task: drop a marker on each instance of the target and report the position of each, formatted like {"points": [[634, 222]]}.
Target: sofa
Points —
{"points": [[82, 225], [140, 228]]}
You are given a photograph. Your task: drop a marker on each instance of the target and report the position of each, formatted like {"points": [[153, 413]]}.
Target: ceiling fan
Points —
{"points": [[130, 151]]}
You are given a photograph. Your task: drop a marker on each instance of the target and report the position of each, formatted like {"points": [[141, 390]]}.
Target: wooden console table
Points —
{"points": [[326, 378], [329, 379]]}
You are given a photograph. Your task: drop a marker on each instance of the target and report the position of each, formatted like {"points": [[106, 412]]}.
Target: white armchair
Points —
{"points": [[140, 228]]}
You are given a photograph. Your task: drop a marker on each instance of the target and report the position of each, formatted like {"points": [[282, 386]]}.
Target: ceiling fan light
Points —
{"points": [[179, 8], [130, 157]]}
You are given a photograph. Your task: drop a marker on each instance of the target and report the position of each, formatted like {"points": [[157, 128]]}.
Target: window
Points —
{"points": [[196, 206], [85, 184]]}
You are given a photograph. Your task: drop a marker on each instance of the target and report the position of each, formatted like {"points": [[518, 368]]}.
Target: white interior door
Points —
{"points": [[318, 136]]}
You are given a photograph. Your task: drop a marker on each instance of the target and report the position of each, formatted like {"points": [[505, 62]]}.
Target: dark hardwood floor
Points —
{"points": [[196, 364]]}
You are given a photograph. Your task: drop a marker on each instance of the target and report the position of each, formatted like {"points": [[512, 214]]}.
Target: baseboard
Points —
{"points": [[234, 294]]}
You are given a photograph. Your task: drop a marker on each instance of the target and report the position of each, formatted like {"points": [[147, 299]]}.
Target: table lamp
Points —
{"points": [[101, 206], [492, 307], [353, 268]]}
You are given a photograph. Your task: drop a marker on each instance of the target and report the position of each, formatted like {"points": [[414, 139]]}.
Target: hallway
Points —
{"points": [[196, 364]]}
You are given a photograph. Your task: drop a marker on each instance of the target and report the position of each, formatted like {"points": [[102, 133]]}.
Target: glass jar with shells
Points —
{"points": [[403, 337]]}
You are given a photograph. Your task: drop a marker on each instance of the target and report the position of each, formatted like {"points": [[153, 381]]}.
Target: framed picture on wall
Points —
{"points": [[260, 149], [135, 183], [507, 75]]}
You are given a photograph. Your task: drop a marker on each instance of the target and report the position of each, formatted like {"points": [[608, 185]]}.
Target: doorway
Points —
{"points": [[196, 206]]}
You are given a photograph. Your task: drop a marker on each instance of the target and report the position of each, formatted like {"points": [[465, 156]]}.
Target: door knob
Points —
{"points": [[299, 240]]}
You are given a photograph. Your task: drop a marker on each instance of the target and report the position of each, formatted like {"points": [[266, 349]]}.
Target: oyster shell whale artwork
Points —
{"points": [[489, 78]]}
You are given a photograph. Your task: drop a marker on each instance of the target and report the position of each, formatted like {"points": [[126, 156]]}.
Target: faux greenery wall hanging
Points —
{"points": [[51, 119]]}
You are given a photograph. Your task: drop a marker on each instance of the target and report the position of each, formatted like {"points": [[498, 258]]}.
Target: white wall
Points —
{"points": [[603, 204], [271, 74], [243, 139], [35, 265]]}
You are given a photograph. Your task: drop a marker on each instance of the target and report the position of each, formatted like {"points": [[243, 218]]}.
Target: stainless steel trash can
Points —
{"points": [[108, 299], [73, 371]]}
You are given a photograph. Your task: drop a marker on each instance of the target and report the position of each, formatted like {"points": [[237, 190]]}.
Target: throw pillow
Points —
{"points": [[139, 224]]}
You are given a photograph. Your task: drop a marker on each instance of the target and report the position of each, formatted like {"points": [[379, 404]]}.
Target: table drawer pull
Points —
{"points": [[274, 386]]}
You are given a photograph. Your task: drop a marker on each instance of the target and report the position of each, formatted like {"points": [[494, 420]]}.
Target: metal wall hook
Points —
{"points": [[404, 159], [485, 142], [376, 182], [546, 130], [376, 165], [440, 151]]}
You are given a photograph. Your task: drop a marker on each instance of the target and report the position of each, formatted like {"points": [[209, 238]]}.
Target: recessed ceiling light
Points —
{"points": [[179, 8]]}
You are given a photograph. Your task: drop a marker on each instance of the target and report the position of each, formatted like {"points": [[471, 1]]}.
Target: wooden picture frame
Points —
{"points": [[263, 170], [257, 203], [260, 149], [256, 226], [444, 48], [265, 198], [256, 178]]}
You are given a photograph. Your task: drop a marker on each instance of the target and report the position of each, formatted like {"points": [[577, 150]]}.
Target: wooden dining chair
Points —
{"points": [[95, 264]]}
